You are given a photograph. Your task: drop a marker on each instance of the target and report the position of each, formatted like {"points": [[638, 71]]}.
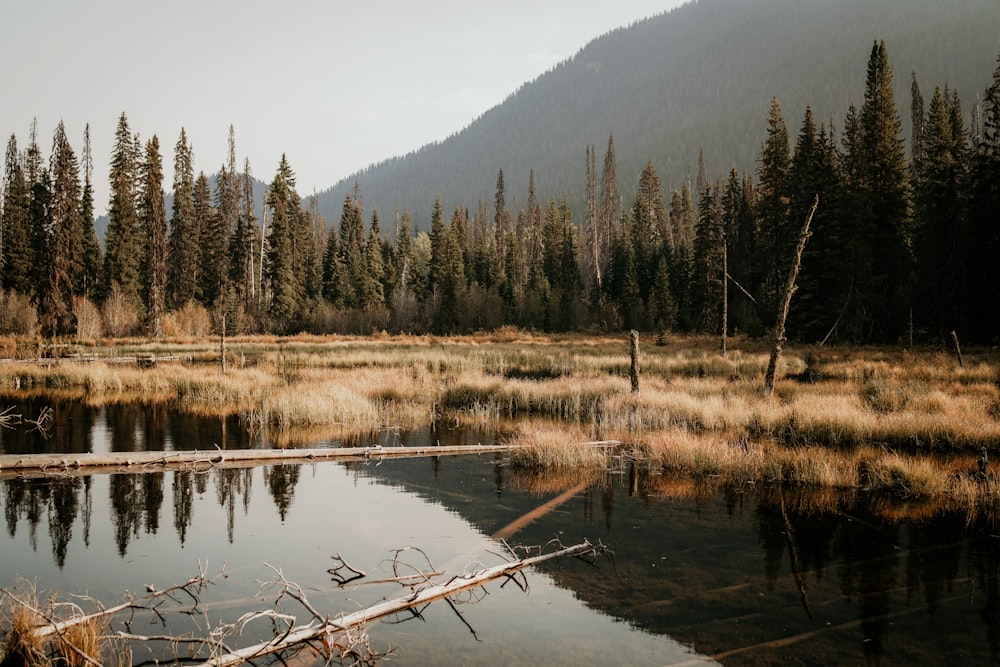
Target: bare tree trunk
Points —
{"points": [[958, 349], [786, 302], [725, 298], [634, 372], [222, 345]]}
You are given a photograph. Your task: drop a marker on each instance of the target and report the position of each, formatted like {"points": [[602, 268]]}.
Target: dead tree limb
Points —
{"points": [[786, 302], [327, 631]]}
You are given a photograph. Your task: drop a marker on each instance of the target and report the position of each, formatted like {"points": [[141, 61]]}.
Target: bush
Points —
{"points": [[120, 314], [192, 320], [88, 319], [18, 316]]}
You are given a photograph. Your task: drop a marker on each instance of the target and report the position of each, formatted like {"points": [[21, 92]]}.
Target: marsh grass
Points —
{"points": [[840, 418]]}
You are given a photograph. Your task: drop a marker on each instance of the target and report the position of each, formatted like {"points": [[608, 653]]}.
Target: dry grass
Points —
{"points": [[840, 418]]}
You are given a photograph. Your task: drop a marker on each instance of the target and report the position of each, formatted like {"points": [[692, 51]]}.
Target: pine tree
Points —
{"points": [[885, 202], [55, 290], [776, 241], [287, 291], [350, 254], [501, 229], [153, 215], [984, 219], [709, 244], [185, 236], [86, 256], [609, 207], [372, 294], [244, 247], [940, 218], [822, 290], [18, 255], [594, 238], [204, 216], [122, 255], [651, 234]]}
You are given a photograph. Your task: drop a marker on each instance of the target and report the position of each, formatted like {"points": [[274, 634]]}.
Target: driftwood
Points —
{"points": [[328, 630], [57, 465]]}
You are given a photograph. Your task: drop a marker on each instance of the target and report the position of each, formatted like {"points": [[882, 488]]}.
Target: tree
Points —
{"points": [[153, 214], [823, 289], [204, 216], [372, 294], [18, 256], [287, 291], [884, 213], [245, 247], [594, 238], [609, 206], [708, 275], [85, 255], [184, 246], [122, 253], [772, 209], [55, 290], [984, 226]]}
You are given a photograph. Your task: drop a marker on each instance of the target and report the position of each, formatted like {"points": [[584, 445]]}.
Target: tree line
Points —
{"points": [[901, 245]]}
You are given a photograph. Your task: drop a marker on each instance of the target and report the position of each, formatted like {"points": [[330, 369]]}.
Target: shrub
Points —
{"points": [[17, 314], [120, 314], [193, 320], [88, 319]]}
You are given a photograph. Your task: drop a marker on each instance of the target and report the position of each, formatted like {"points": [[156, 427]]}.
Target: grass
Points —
{"points": [[840, 417]]}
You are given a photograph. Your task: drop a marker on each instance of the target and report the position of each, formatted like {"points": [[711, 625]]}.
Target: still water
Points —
{"points": [[697, 572]]}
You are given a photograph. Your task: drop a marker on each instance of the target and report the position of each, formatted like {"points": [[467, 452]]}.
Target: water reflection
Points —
{"points": [[741, 574]]}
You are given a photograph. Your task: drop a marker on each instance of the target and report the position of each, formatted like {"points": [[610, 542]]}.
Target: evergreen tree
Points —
{"points": [[594, 238], [153, 215], [609, 206], [55, 290], [776, 241], [940, 217], [204, 216], [86, 255], [709, 244], [984, 219], [18, 254], [372, 294], [822, 290], [350, 254], [185, 237], [287, 291], [122, 254], [651, 234], [884, 200], [244, 248]]}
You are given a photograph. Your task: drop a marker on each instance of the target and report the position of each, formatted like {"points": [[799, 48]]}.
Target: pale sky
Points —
{"points": [[335, 86]]}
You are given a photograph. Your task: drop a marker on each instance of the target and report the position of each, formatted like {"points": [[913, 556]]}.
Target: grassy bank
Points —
{"points": [[907, 422]]}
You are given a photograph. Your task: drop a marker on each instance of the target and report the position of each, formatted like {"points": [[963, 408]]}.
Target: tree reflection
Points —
{"points": [[183, 493], [135, 504], [281, 481], [230, 483]]}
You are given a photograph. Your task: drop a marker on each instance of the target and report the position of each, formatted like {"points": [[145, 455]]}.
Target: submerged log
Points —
{"points": [[414, 600], [55, 465]]}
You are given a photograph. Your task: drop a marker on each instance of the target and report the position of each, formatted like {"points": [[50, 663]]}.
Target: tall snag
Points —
{"points": [[786, 302]]}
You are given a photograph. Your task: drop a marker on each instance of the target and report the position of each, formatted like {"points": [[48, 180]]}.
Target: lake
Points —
{"points": [[695, 572]]}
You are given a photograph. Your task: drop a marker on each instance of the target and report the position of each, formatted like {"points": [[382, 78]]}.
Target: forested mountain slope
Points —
{"points": [[699, 77]]}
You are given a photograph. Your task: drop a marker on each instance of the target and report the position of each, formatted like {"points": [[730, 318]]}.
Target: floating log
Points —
{"points": [[56, 465], [414, 600]]}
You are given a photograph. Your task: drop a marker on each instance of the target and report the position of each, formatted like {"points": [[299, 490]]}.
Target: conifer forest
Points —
{"points": [[902, 246]]}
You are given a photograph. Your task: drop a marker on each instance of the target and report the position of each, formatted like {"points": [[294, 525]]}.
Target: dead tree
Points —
{"points": [[786, 302]]}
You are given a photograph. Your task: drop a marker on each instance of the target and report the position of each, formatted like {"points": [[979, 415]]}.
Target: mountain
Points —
{"points": [[700, 77]]}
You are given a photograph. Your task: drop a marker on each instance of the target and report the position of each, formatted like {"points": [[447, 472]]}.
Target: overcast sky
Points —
{"points": [[335, 86]]}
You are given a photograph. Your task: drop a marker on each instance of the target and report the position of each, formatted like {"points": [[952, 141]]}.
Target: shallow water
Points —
{"points": [[699, 571]]}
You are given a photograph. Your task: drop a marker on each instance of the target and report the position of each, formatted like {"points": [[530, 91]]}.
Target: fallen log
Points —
{"points": [[58, 465], [329, 629]]}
